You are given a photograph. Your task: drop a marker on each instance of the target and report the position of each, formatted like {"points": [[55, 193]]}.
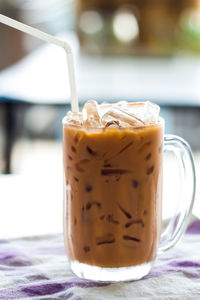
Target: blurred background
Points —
{"points": [[130, 50]]}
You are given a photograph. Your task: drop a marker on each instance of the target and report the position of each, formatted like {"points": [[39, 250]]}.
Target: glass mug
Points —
{"points": [[113, 199]]}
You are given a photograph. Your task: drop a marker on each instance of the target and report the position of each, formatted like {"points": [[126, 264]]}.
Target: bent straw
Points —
{"points": [[51, 39]]}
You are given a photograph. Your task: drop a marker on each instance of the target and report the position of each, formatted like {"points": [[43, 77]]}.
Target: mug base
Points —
{"points": [[110, 274]]}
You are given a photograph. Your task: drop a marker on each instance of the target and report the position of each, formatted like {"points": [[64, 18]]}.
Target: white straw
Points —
{"points": [[51, 39]]}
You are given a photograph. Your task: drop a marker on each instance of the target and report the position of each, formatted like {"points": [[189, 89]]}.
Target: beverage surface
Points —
{"points": [[113, 184], [121, 114]]}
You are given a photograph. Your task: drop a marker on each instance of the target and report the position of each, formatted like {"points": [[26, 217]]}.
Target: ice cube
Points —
{"points": [[91, 115], [147, 112], [104, 107], [151, 112], [136, 109], [125, 119], [75, 118]]}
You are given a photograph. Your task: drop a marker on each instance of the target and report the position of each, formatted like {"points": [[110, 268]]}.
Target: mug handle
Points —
{"points": [[178, 223]]}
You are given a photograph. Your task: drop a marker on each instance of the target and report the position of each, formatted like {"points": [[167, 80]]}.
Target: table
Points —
{"points": [[37, 268]]}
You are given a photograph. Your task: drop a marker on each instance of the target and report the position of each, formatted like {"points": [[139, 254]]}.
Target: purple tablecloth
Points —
{"points": [[37, 268]]}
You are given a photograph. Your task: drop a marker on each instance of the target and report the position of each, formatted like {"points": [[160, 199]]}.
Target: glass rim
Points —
{"points": [[66, 123]]}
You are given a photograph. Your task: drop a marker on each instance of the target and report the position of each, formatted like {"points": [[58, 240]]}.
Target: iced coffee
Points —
{"points": [[113, 184]]}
